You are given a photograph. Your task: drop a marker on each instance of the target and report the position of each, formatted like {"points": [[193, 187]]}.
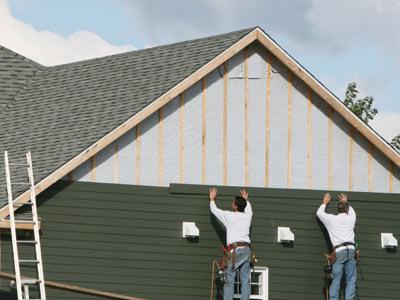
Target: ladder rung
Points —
{"points": [[20, 183], [25, 221], [30, 281], [26, 242], [17, 164], [32, 261], [24, 203]]}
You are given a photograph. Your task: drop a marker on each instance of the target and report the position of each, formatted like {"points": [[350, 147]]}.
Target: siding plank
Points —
{"points": [[126, 239]]}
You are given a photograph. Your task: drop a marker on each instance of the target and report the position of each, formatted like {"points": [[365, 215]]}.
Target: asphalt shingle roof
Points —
{"points": [[57, 112], [15, 73]]}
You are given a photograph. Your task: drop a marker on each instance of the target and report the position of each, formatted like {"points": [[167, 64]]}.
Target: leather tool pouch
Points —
{"points": [[253, 259], [331, 257], [357, 255]]}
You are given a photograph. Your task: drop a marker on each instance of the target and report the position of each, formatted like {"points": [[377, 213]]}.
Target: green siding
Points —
{"points": [[127, 239]]}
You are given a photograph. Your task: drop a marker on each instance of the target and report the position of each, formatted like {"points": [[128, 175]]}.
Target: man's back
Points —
{"points": [[340, 227], [237, 224]]}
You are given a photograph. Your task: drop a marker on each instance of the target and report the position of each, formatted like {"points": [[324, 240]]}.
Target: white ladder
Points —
{"points": [[23, 285]]}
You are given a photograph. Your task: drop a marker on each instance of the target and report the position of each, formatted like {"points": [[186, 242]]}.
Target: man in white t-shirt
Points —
{"points": [[341, 232], [237, 224]]}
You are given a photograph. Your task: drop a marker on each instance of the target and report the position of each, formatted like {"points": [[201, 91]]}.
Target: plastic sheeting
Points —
{"points": [[171, 142], [193, 134], [380, 171], [279, 126], [235, 131], [299, 134], [82, 173], [360, 163], [149, 154], [125, 171], [340, 153], [105, 165], [320, 141], [214, 121], [257, 115], [127, 158]]}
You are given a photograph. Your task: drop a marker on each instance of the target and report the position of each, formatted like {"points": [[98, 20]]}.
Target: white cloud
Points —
{"points": [[161, 22], [387, 124], [49, 48], [349, 22]]}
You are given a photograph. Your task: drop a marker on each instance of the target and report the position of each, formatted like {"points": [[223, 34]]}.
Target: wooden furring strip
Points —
{"points": [[181, 137], [267, 120], [309, 138], [246, 116], [327, 96], [391, 175], [70, 176], [74, 288], [138, 146], [225, 127], [93, 168], [116, 163], [370, 153], [331, 113], [161, 145], [203, 129], [289, 133], [351, 156]]}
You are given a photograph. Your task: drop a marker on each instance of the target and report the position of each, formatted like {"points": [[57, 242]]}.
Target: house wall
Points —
{"points": [[249, 122], [127, 239]]}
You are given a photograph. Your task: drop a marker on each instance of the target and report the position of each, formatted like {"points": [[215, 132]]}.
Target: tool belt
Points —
{"points": [[345, 244], [233, 246], [230, 253], [331, 257]]}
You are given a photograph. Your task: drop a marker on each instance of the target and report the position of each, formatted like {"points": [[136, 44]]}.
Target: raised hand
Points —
{"points": [[244, 194], [213, 194], [327, 198], [342, 197]]}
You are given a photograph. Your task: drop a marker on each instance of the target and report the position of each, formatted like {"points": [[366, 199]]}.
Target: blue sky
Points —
{"points": [[338, 41], [109, 19]]}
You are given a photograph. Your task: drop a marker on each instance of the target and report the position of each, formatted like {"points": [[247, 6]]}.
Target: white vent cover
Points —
{"points": [[189, 230], [285, 235], [388, 240]]}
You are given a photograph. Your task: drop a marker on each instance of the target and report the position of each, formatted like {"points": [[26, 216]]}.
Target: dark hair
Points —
{"points": [[343, 207], [240, 203]]}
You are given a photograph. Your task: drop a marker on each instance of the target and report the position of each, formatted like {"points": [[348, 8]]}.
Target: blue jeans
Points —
{"points": [[344, 261], [241, 263]]}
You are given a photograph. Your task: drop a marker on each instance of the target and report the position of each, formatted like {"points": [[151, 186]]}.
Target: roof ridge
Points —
{"points": [[25, 86], [246, 30], [21, 57], [38, 65]]}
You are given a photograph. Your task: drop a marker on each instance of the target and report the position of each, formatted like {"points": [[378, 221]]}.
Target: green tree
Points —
{"points": [[360, 107], [396, 143]]}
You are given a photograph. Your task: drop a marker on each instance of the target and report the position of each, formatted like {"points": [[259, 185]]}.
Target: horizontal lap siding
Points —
{"points": [[127, 239]]}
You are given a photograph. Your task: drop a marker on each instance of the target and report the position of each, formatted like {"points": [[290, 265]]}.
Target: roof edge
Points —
{"points": [[21, 57], [110, 56]]}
